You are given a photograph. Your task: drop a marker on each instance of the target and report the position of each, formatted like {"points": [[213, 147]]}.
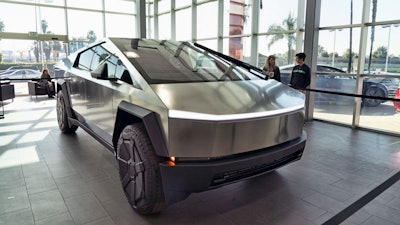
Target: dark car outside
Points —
{"points": [[334, 79], [178, 117]]}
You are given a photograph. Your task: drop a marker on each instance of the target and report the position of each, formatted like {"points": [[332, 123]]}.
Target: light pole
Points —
{"points": [[388, 44], [387, 48], [334, 46]]}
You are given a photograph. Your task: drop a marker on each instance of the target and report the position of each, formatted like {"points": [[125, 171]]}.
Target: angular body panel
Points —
{"points": [[176, 112]]}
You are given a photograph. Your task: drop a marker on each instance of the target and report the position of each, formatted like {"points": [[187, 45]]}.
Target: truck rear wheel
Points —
{"points": [[139, 170]]}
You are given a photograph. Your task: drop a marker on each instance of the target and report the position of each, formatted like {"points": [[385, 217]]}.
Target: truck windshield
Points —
{"points": [[180, 62]]}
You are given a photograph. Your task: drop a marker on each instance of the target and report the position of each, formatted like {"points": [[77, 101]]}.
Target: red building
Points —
{"points": [[236, 26]]}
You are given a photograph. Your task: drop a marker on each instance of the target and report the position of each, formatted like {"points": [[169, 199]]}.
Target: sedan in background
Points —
{"points": [[20, 67], [21, 74], [334, 79]]}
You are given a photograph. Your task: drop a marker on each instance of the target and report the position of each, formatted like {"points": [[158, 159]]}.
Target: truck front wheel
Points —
{"points": [[62, 117], [139, 170]]}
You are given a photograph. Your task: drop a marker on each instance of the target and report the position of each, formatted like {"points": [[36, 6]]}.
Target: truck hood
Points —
{"points": [[229, 100]]}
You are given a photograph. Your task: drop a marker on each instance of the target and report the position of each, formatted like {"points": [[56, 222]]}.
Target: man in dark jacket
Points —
{"points": [[301, 75]]}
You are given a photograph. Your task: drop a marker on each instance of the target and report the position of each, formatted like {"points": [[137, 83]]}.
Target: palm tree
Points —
{"points": [[39, 45], [351, 38], [1, 25], [281, 32], [44, 26], [1, 30], [56, 49], [374, 5], [91, 36]]}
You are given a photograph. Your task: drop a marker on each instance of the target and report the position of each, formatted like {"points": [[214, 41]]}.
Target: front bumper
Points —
{"points": [[181, 179]]}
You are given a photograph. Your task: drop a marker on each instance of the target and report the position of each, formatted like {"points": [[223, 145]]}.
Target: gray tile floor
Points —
{"points": [[47, 177]]}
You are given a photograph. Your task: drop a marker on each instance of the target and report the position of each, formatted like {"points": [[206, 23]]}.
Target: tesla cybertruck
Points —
{"points": [[179, 117]]}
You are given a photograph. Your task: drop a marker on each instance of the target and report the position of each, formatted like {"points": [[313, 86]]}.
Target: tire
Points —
{"points": [[376, 92], [62, 116], [139, 170]]}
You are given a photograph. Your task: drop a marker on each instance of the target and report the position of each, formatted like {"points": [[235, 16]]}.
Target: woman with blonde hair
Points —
{"points": [[271, 70]]}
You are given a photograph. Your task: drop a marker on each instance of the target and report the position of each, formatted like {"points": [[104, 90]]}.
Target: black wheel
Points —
{"points": [[62, 116], [139, 171], [376, 92]]}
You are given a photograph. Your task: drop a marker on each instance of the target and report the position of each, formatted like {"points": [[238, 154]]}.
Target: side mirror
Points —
{"points": [[101, 72]]}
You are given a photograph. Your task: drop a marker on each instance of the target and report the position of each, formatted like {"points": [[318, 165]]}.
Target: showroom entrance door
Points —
{"points": [[24, 57]]}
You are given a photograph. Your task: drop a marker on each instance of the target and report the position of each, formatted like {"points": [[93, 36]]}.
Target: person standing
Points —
{"points": [[271, 70], [301, 75], [45, 82]]}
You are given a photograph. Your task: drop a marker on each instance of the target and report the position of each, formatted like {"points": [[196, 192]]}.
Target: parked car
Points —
{"points": [[176, 124], [21, 74], [20, 67], [377, 86]]}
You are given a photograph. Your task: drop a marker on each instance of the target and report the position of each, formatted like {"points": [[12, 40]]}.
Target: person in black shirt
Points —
{"points": [[45, 82], [301, 75]]}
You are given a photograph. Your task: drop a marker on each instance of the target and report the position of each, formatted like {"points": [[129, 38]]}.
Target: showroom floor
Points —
{"points": [[47, 177]]}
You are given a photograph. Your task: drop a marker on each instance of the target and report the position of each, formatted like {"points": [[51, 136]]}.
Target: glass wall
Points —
{"points": [[18, 18], [336, 69], [182, 3], [212, 44], [278, 26], [334, 48], [36, 34], [164, 26], [375, 63], [120, 6], [382, 69], [207, 17], [386, 10], [92, 4], [117, 27], [50, 18], [272, 15], [350, 50], [341, 12], [91, 30], [384, 49], [183, 24], [164, 5]]}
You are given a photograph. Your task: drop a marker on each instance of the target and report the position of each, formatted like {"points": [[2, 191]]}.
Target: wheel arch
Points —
{"points": [[378, 85], [128, 113], [62, 86]]}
